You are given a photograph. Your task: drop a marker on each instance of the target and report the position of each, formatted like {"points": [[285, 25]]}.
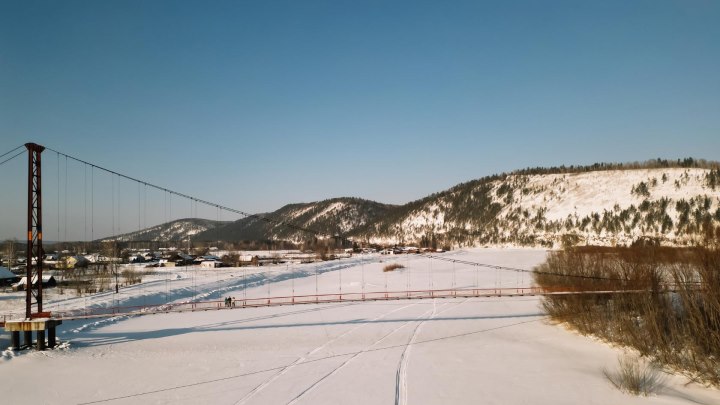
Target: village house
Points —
{"points": [[47, 281], [72, 262], [7, 277]]}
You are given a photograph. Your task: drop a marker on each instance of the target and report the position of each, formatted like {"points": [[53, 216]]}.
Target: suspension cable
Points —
{"points": [[85, 202], [58, 198], [205, 202], [92, 204], [112, 199], [11, 158], [195, 201], [11, 151], [518, 270], [66, 201]]}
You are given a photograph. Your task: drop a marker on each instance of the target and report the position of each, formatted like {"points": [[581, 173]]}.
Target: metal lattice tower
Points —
{"points": [[34, 229]]}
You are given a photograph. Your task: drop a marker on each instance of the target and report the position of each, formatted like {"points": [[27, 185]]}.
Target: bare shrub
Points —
{"points": [[394, 266], [663, 302], [634, 376], [131, 276]]}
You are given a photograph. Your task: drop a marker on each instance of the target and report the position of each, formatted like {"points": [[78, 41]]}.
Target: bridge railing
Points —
{"points": [[104, 312], [98, 312]]}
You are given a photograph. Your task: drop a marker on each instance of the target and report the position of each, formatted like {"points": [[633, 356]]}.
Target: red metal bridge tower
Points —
{"points": [[34, 228], [37, 321]]}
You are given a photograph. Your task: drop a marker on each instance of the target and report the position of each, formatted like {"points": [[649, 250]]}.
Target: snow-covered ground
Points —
{"points": [[443, 351]]}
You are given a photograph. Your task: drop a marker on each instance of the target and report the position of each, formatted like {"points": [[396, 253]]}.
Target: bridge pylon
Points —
{"points": [[34, 228], [37, 321]]}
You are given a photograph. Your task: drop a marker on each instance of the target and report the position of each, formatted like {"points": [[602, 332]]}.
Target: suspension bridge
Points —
{"points": [[103, 187]]}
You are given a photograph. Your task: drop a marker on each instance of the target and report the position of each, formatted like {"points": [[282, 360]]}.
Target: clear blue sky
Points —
{"points": [[255, 104]]}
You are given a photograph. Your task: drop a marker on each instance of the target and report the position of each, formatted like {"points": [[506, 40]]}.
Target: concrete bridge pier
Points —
{"points": [[41, 340], [51, 337], [39, 326], [15, 339]]}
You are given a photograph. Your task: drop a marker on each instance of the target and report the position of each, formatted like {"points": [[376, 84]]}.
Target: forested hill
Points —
{"points": [[669, 201]]}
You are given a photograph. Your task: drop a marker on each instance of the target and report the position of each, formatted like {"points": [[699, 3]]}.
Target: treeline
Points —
{"points": [[666, 304], [648, 164]]}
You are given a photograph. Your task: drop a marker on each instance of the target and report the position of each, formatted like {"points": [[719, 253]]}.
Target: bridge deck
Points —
{"points": [[106, 312]]}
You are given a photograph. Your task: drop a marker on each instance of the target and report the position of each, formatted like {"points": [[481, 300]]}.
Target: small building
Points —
{"points": [[183, 259], [7, 277], [72, 262], [198, 260], [137, 259], [47, 281], [248, 260], [92, 257], [51, 260], [50, 257], [210, 264], [152, 256]]}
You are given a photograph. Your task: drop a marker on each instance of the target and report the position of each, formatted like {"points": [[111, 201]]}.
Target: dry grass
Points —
{"points": [[394, 266], [635, 376]]}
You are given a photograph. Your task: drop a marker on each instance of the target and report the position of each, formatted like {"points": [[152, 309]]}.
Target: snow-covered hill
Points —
{"points": [[600, 204], [170, 231], [299, 222], [606, 207]]}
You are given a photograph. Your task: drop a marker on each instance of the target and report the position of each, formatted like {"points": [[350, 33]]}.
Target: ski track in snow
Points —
{"points": [[96, 324], [302, 359], [558, 355], [334, 371], [401, 389]]}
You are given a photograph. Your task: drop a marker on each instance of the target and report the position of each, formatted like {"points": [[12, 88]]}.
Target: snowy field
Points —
{"points": [[442, 351]]}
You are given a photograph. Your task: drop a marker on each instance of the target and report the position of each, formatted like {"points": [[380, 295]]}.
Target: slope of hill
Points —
{"points": [[599, 204], [298, 222], [598, 207], [170, 231]]}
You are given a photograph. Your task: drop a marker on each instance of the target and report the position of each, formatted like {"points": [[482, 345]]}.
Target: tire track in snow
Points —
{"points": [[401, 397], [303, 358], [354, 356]]}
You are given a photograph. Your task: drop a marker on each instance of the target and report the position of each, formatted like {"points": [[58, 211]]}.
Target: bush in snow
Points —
{"points": [[634, 376], [391, 267], [664, 302]]}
